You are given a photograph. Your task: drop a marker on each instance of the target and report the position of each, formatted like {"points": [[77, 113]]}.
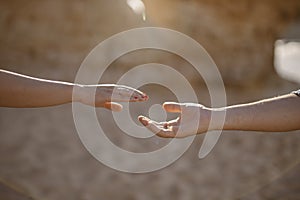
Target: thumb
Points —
{"points": [[113, 106], [172, 107]]}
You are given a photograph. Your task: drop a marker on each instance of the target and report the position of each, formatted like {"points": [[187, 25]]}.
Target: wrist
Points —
{"points": [[78, 93], [217, 120]]}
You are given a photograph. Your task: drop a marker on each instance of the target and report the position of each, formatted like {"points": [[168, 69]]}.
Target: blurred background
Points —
{"points": [[255, 45]]}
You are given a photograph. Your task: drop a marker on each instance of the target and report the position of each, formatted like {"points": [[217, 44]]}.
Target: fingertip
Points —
{"points": [[143, 120], [140, 96], [117, 108], [113, 106], [172, 107], [145, 97]]}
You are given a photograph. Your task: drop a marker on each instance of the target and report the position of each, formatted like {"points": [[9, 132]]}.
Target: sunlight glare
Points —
{"points": [[138, 7]]}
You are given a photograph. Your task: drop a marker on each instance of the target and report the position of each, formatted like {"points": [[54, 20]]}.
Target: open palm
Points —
{"points": [[193, 119]]}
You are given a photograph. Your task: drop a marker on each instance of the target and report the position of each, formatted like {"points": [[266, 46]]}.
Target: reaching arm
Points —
{"points": [[22, 91], [274, 115]]}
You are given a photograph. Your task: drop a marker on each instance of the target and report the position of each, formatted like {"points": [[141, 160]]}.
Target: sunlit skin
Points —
{"points": [[271, 115], [20, 91], [277, 114]]}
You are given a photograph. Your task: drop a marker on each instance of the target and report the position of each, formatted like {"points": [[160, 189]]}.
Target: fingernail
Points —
{"points": [[145, 96]]}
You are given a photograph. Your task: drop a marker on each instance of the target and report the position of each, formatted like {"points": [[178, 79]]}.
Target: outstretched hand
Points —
{"points": [[21, 91], [193, 119], [107, 95]]}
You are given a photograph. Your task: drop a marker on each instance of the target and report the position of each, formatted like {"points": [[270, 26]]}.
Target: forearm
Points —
{"points": [[21, 91], [276, 114]]}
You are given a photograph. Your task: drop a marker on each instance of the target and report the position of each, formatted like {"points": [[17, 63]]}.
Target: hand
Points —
{"points": [[106, 95], [194, 119]]}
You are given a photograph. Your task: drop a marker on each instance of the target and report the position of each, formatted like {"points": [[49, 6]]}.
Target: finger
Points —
{"points": [[166, 124], [144, 120], [121, 93], [174, 122], [153, 127], [113, 106], [160, 131], [166, 133], [156, 129], [149, 124], [172, 107]]}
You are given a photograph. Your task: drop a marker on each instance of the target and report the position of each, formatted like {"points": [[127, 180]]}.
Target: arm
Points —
{"points": [[274, 115], [22, 91]]}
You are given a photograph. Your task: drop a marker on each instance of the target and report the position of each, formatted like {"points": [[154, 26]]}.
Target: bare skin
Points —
{"points": [[277, 114], [20, 91]]}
